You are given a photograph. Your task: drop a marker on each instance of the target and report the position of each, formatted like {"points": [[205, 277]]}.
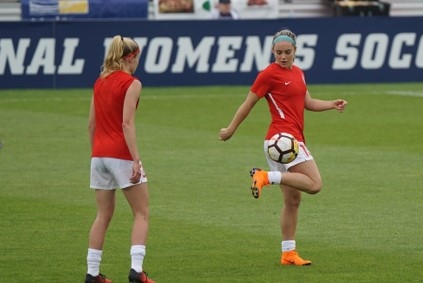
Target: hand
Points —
{"points": [[225, 134], [136, 172], [340, 105]]}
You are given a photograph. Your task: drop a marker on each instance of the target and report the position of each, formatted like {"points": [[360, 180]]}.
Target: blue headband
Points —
{"points": [[284, 38]]}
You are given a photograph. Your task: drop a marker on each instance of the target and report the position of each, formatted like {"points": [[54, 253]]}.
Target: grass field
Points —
{"points": [[365, 226]]}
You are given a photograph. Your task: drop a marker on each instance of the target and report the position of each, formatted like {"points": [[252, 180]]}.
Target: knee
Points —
{"points": [[292, 200], [104, 219], [142, 215], [315, 187]]}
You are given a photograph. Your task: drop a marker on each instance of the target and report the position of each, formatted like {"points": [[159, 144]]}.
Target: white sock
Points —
{"points": [[288, 245], [93, 261], [274, 177], [137, 257]]}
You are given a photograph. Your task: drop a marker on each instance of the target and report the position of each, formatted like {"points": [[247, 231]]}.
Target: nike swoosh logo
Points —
{"points": [[287, 83]]}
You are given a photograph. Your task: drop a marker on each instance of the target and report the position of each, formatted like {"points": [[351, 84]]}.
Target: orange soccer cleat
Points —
{"points": [[260, 179], [292, 258]]}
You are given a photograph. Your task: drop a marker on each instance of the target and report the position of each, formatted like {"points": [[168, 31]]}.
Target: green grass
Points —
{"points": [[365, 226]]}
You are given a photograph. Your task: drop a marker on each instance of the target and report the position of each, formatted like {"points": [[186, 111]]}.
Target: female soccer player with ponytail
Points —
{"points": [[115, 159], [283, 85]]}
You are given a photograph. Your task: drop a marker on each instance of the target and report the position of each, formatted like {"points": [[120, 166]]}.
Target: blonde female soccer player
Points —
{"points": [[283, 85], [115, 159]]}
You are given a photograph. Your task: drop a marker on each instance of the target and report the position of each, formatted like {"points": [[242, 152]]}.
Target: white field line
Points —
{"points": [[390, 92], [143, 96], [202, 95], [212, 95], [406, 93]]}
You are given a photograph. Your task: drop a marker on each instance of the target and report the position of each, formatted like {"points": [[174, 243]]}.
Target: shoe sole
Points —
{"points": [[292, 263], [254, 190]]}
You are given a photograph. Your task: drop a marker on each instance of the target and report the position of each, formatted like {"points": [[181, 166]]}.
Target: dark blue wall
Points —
{"points": [[178, 53]]}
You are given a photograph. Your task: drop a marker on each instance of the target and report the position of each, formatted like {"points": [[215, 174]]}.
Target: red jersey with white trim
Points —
{"points": [[109, 96], [285, 91]]}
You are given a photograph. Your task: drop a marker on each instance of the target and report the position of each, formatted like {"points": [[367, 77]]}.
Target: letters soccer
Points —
{"points": [[215, 54]]}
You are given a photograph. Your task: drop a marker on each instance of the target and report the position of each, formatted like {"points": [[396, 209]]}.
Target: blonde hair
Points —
{"points": [[119, 49]]}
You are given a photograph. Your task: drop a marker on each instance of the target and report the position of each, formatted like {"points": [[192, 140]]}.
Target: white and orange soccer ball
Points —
{"points": [[283, 148]]}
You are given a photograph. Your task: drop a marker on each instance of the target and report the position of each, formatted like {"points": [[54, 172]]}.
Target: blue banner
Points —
{"points": [[88, 9], [182, 53]]}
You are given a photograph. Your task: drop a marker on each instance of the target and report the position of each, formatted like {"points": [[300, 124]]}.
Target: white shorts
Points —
{"points": [[303, 155], [112, 173]]}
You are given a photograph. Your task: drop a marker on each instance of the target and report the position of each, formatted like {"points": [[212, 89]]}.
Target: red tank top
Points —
{"points": [[109, 96]]}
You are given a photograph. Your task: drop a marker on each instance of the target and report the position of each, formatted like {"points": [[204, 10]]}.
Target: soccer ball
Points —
{"points": [[283, 148]]}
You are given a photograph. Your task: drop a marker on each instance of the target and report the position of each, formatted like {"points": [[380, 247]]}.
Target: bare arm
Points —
{"points": [[91, 122], [316, 105], [242, 112], [128, 126]]}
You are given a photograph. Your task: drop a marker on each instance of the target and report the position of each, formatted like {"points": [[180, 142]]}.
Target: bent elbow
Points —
{"points": [[91, 128], [127, 125]]}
